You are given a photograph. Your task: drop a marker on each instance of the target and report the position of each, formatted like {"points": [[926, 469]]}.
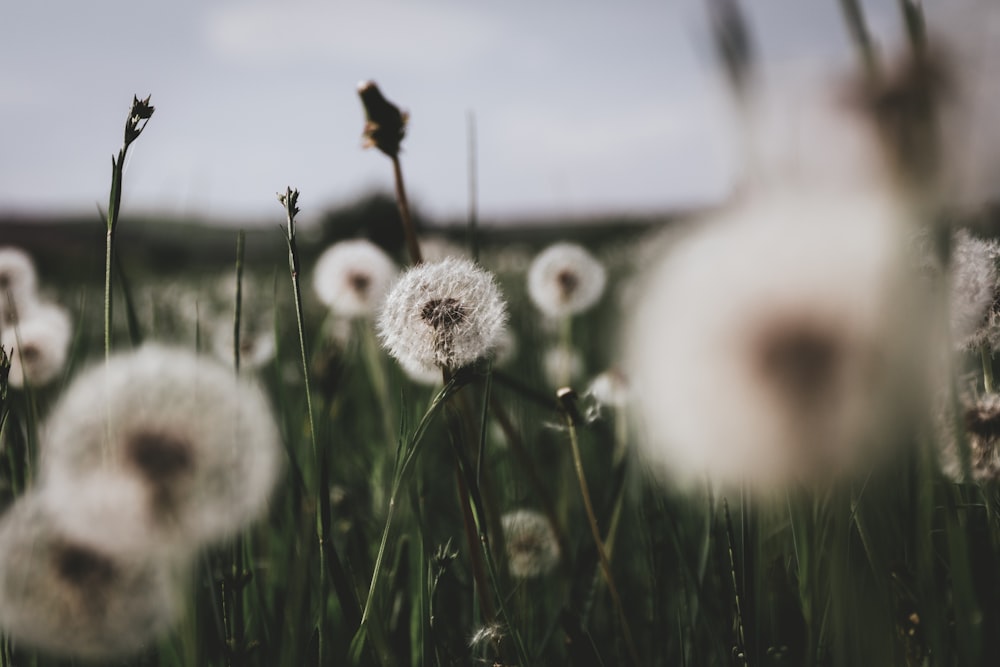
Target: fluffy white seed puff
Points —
{"points": [[352, 277], [37, 344], [565, 279], [974, 286], [776, 343], [445, 315], [532, 547], [202, 442], [73, 594], [17, 282]]}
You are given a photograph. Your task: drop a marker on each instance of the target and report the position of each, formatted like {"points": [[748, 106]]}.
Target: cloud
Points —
{"points": [[389, 34]]}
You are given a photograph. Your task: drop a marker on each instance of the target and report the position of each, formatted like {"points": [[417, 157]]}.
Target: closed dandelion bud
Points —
{"points": [[780, 341], [444, 315], [565, 279], [352, 277], [38, 344], [532, 547], [72, 594], [385, 124], [17, 283], [201, 441]]}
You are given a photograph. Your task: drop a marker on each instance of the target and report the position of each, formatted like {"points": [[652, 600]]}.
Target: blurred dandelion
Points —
{"points": [[352, 277], [565, 279], [610, 388], [980, 422], [562, 365], [777, 341], [444, 315], [532, 547], [75, 596], [202, 441], [17, 282], [257, 345], [39, 343]]}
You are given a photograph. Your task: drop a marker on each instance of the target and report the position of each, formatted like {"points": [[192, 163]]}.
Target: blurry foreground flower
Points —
{"points": [[40, 342], [565, 279], [352, 277], [444, 315], [777, 342], [974, 285], [202, 441], [74, 596], [532, 547], [17, 282]]}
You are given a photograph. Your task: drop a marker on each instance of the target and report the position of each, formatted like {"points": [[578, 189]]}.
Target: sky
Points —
{"points": [[580, 109]]}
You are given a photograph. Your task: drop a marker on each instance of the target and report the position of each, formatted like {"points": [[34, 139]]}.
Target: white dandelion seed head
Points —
{"points": [[202, 441], [777, 341], [445, 315], [72, 595], [257, 346], [565, 279], [18, 282], [974, 289], [352, 277], [40, 343], [532, 547], [980, 421]]}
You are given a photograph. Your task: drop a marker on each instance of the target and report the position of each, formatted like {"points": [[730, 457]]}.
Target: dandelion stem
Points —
{"points": [[736, 589], [986, 354], [412, 246], [567, 398]]}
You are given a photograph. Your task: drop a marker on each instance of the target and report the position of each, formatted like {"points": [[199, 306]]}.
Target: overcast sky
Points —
{"points": [[581, 108]]}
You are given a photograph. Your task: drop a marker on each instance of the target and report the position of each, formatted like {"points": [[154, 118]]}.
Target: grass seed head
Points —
{"points": [[443, 315]]}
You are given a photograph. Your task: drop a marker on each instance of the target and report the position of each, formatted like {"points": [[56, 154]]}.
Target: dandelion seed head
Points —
{"points": [[610, 388], [17, 282], [40, 343], [352, 277], [774, 342], [532, 547], [443, 315], [980, 422], [974, 288], [257, 346], [565, 279], [201, 441], [72, 596], [562, 365]]}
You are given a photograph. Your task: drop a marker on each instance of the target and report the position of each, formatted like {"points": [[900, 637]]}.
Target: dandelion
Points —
{"points": [[202, 441], [73, 595], [257, 345], [445, 315], [565, 279], [610, 388], [532, 547], [17, 282], [39, 343], [778, 341], [562, 364], [352, 277], [974, 284], [385, 124], [980, 421]]}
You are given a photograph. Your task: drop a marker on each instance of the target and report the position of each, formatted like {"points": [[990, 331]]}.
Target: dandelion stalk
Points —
{"points": [[736, 589], [567, 400], [138, 116]]}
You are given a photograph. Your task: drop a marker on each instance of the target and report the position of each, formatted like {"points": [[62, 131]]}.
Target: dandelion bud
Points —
{"points": [[445, 315], [532, 547], [385, 124], [565, 279], [352, 277]]}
